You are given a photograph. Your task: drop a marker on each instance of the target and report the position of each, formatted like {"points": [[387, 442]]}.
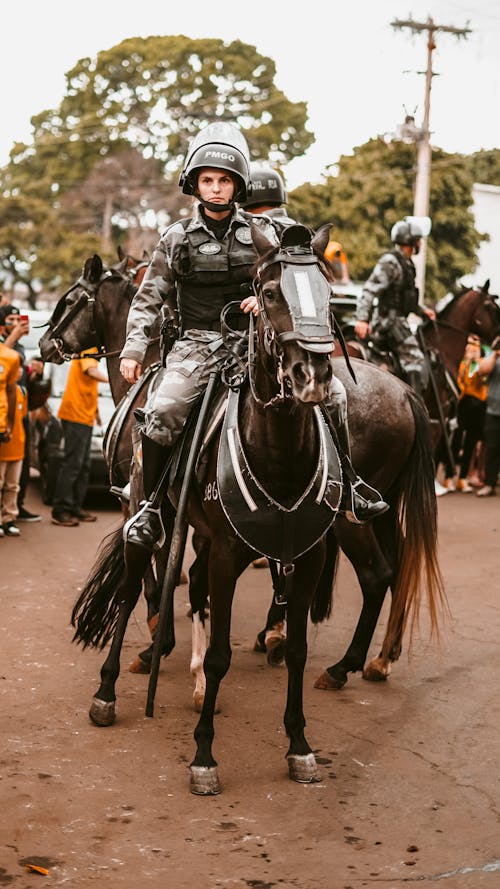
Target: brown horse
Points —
{"points": [[443, 342], [274, 443]]}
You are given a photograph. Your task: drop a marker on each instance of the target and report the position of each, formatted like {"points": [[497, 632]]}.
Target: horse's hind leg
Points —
{"points": [[379, 667], [374, 575], [102, 710], [198, 595], [272, 639]]}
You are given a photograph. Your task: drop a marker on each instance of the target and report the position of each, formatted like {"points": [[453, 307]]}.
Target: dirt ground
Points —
{"points": [[410, 789]]}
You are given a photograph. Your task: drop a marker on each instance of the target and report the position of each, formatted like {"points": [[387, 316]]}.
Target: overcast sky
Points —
{"points": [[356, 72]]}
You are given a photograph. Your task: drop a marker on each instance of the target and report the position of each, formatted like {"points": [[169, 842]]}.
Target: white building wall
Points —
{"points": [[486, 209]]}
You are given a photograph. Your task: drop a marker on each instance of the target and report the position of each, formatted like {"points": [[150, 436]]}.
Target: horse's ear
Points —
{"points": [[260, 242], [92, 269], [486, 286], [121, 254], [321, 238], [145, 255]]}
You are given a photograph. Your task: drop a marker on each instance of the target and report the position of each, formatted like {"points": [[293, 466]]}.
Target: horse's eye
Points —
{"points": [[268, 294]]}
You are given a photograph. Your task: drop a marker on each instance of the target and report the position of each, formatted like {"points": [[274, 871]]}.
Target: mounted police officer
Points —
{"points": [[199, 265], [389, 296], [268, 195]]}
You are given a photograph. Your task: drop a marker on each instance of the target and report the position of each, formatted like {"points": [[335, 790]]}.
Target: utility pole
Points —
{"points": [[424, 152]]}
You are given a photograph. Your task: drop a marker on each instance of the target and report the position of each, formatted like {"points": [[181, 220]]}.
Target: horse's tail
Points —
{"points": [[95, 612], [416, 535], [321, 605]]}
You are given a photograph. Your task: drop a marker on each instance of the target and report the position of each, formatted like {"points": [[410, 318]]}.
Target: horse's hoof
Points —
{"points": [[138, 666], [259, 646], [303, 768], [198, 698], [377, 670], [102, 712], [275, 651], [204, 781], [182, 579], [328, 683]]}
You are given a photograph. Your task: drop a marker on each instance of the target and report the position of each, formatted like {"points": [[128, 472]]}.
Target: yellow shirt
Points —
{"points": [[79, 402], [14, 448], [9, 372]]}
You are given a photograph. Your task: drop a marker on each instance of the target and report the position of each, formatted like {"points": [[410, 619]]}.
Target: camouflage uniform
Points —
{"points": [[195, 274], [388, 296]]}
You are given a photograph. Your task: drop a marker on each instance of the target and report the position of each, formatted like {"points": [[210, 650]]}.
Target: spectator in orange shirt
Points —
{"points": [[11, 462], [78, 413]]}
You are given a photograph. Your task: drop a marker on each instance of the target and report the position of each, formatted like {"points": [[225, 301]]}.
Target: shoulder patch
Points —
{"points": [[243, 235]]}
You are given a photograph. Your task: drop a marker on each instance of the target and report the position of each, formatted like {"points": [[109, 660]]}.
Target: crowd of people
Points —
{"points": [[23, 389], [199, 265]]}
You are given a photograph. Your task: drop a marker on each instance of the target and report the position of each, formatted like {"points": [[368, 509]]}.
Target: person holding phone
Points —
{"points": [[490, 367]]}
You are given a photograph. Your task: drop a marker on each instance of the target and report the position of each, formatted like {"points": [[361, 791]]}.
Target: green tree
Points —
{"points": [[485, 166], [148, 96], [373, 188]]}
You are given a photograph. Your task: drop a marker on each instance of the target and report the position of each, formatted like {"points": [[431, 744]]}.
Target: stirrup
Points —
{"points": [[145, 507], [375, 501]]}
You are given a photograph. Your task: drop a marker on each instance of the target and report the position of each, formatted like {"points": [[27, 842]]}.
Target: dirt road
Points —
{"points": [[410, 789]]}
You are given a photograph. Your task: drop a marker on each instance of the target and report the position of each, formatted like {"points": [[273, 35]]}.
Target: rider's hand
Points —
{"points": [[130, 369], [430, 313], [250, 304], [362, 328]]}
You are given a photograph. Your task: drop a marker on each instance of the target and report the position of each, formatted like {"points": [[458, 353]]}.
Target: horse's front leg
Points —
{"points": [[301, 761], [225, 566], [102, 709]]}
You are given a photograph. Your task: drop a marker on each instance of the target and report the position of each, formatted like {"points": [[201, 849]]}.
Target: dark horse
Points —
{"points": [[275, 440], [443, 342]]}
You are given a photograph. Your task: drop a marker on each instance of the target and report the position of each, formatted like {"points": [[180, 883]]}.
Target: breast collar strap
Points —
{"points": [[282, 533]]}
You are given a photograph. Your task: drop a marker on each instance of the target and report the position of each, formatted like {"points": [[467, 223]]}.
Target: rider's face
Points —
{"points": [[215, 186]]}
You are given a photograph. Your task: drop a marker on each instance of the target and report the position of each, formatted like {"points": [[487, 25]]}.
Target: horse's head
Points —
{"points": [[293, 287], [73, 325], [485, 312]]}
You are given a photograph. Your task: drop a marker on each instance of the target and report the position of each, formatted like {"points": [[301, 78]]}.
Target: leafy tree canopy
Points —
{"points": [[373, 188], [121, 133]]}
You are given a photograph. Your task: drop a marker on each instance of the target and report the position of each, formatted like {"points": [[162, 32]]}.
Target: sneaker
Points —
{"points": [[450, 484], [463, 486], [84, 516], [26, 516], [485, 491], [64, 518], [10, 529], [1, 531], [440, 489]]}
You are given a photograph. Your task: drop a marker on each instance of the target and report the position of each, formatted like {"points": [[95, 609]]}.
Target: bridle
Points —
{"points": [[87, 301], [310, 331]]}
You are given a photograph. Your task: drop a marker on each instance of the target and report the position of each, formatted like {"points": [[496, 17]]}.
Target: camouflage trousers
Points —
{"points": [[181, 383], [397, 335]]}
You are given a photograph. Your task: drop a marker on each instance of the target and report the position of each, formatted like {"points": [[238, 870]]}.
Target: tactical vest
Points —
{"points": [[210, 274], [401, 296]]}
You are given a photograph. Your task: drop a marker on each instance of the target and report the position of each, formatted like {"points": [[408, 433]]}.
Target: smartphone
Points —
{"points": [[24, 319]]}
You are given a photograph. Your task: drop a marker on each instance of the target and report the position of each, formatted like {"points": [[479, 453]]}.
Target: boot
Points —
{"points": [[414, 379], [145, 528], [360, 502]]}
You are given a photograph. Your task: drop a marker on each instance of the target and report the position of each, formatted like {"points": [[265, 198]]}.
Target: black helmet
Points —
{"points": [[406, 232], [268, 187], [222, 146]]}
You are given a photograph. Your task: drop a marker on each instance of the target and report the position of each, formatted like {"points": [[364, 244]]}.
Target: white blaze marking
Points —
{"points": [[304, 291]]}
